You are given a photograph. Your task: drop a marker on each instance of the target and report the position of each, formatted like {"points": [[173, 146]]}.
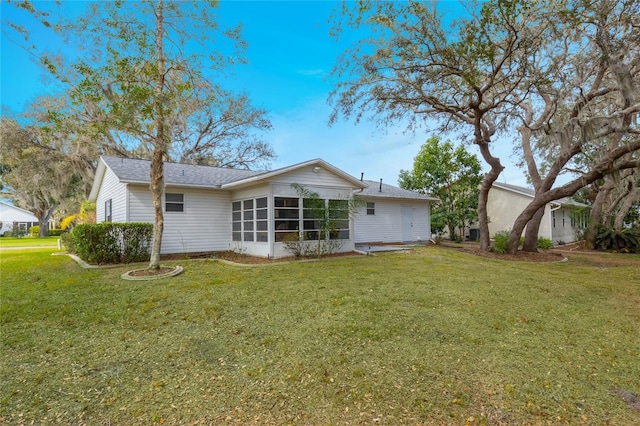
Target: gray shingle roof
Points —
{"points": [[137, 171], [390, 191]]}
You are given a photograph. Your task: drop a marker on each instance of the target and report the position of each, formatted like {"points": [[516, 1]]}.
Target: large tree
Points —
{"points": [[587, 103], [563, 74], [461, 74], [149, 86], [451, 174], [36, 173]]}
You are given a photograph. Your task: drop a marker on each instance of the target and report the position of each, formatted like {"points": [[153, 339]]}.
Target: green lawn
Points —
{"points": [[429, 337], [10, 242]]}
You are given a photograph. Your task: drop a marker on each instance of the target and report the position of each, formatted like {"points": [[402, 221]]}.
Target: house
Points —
{"points": [[561, 223], [388, 214], [15, 217], [217, 209]]}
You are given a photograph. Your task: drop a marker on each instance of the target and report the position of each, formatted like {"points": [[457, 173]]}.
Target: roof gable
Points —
{"points": [[6, 207], [284, 170]]}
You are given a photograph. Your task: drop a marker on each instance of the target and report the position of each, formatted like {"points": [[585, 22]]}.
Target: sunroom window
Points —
{"points": [[249, 220]]}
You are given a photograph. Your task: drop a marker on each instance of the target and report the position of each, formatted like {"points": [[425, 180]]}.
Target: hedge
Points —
{"points": [[112, 242]]}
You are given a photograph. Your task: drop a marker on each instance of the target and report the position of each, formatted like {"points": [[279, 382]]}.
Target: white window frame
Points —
{"points": [[174, 202]]}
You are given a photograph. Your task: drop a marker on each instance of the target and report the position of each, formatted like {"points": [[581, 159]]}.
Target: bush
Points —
{"points": [[112, 242], [621, 240], [67, 241], [545, 243], [34, 231], [55, 232], [501, 242]]}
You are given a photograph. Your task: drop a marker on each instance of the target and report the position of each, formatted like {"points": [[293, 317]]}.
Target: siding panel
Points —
{"points": [[204, 225], [113, 189], [386, 224]]}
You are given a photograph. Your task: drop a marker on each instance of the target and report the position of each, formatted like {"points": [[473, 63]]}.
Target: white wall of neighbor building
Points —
{"points": [[10, 214], [564, 230], [503, 207], [386, 225]]}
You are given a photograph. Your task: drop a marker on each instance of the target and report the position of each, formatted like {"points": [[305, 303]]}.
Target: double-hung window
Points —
{"points": [[371, 209], [174, 202]]}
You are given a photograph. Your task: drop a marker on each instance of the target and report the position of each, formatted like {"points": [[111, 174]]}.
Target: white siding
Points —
{"points": [[112, 189], [204, 225], [10, 214], [386, 224], [562, 230], [503, 207]]}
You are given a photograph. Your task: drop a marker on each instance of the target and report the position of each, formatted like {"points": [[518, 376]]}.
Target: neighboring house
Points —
{"points": [[388, 214], [216, 209], [15, 217], [560, 222]]}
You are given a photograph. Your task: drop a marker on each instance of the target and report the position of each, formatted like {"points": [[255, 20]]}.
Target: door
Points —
{"points": [[407, 223]]}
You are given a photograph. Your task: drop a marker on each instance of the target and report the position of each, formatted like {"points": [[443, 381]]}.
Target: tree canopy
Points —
{"points": [[148, 82], [450, 174], [564, 74]]}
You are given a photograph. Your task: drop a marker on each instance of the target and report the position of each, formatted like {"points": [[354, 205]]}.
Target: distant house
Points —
{"points": [[13, 217], [216, 209], [561, 223]]}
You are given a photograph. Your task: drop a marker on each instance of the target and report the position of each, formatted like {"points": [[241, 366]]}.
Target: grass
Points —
{"points": [[430, 337], [11, 242]]}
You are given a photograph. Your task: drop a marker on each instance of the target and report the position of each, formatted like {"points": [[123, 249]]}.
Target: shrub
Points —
{"points": [[112, 242], [55, 232], [67, 221], [621, 240], [501, 242], [295, 244], [34, 231], [545, 243], [67, 241]]}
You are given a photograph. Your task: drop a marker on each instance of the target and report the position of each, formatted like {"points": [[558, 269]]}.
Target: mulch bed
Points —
{"points": [[520, 256], [245, 259]]}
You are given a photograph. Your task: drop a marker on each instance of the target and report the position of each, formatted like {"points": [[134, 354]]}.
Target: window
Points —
{"points": [[286, 217], [553, 215], [249, 220], [174, 202], [107, 210], [371, 208], [311, 209], [339, 217], [293, 214]]}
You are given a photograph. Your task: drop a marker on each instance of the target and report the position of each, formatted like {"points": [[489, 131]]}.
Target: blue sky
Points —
{"points": [[290, 55]]}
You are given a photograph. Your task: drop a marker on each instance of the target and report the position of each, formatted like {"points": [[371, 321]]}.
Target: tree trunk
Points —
{"points": [[43, 216], [157, 165], [595, 217], [626, 206], [485, 186], [452, 231], [531, 233]]}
